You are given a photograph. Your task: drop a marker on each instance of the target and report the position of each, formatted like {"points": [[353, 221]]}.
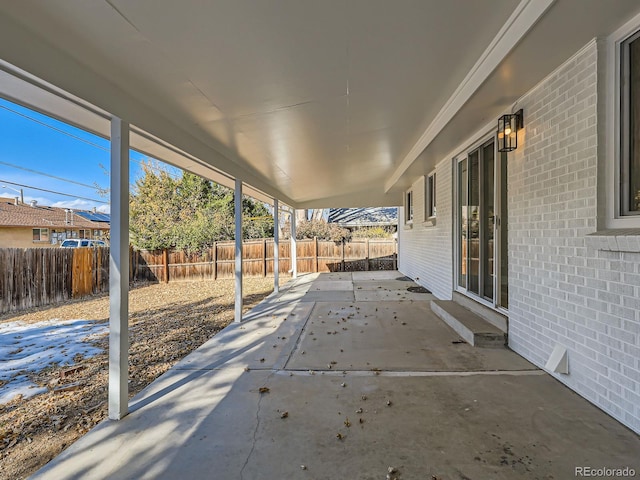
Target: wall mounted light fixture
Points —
{"points": [[508, 126]]}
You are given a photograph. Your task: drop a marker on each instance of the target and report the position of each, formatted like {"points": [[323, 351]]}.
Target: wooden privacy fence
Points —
{"points": [[313, 255], [36, 277]]}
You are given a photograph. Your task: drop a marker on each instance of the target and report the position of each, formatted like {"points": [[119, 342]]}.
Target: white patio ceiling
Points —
{"points": [[323, 103]]}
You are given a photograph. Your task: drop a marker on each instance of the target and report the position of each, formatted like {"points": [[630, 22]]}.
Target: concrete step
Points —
{"points": [[495, 318], [471, 327]]}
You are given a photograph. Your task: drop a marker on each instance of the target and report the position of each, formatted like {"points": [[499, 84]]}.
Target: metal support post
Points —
{"points": [[238, 272], [119, 272], [294, 243], [276, 246]]}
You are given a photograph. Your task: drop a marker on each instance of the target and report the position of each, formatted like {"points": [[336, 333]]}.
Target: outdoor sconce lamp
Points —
{"points": [[508, 126]]}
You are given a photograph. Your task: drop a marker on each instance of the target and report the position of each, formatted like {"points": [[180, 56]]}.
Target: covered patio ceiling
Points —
{"points": [[327, 103]]}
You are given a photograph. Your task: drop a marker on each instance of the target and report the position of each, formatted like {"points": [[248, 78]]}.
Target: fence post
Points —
{"points": [[366, 259], [342, 263], [395, 254], [264, 257], [165, 261], [315, 253], [215, 260]]}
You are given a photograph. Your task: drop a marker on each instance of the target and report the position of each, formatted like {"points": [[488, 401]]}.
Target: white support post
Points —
{"points": [[276, 246], [238, 273], [119, 272], [294, 243]]}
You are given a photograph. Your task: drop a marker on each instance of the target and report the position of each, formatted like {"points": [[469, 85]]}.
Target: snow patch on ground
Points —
{"points": [[30, 347]]}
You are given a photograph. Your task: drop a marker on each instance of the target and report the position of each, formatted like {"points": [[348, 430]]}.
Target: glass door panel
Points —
{"points": [[482, 224], [463, 219], [487, 221], [473, 237]]}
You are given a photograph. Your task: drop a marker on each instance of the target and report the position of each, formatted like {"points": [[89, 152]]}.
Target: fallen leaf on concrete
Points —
{"points": [[339, 436], [264, 390], [347, 423], [389, 403], [284, 415]]}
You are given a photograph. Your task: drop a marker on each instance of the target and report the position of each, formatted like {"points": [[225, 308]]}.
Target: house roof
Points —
{"points": [[25, 215], [360, 217]]}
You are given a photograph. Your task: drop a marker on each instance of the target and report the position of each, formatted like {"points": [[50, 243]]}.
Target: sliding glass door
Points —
{"points": [[481, 261]]}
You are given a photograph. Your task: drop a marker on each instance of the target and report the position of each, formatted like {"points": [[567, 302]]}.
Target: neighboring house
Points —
{"points": [[31, 225], [353, 218]]}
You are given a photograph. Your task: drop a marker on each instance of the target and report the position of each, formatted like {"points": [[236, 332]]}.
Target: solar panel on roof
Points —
{"points": [[95, 217]]}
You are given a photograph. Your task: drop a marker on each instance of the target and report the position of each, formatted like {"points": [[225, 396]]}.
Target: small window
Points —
{"points": [[430, 196], [630, 126], [408, 208], [40, 234]]}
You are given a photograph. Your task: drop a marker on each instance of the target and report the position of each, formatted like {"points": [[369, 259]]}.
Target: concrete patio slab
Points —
{"points": [[334, 276], [217, 425], [265, 342], [333, 285], [405, 336], [376, 275], [329, 296], [380, 295], [444, 410], [395, 285]]}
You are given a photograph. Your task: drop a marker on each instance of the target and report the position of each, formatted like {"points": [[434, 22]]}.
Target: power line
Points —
{"points": [[39, 122], [48, 175], [54, 192]]}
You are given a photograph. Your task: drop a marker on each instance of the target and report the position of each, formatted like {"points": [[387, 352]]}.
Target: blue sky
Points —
{"points": [[29, 140]]}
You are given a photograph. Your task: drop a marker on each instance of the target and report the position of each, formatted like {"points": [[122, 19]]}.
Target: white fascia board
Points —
{"points": [[524, 17]]}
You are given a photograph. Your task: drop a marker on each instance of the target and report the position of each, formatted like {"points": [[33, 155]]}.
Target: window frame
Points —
{"points": [[610, 212], [408, 207], [42, 232], [625, 134], [430, 191]]}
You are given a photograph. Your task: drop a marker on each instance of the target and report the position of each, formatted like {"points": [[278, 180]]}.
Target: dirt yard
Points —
{"points": [[167, 321]]}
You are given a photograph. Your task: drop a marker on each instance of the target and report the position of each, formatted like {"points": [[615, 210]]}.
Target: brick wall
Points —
{"points": [[425, 251], [565, 287], [562, 289]]}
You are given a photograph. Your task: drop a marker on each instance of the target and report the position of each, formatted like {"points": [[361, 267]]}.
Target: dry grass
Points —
{"points": [[167, 321]]}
